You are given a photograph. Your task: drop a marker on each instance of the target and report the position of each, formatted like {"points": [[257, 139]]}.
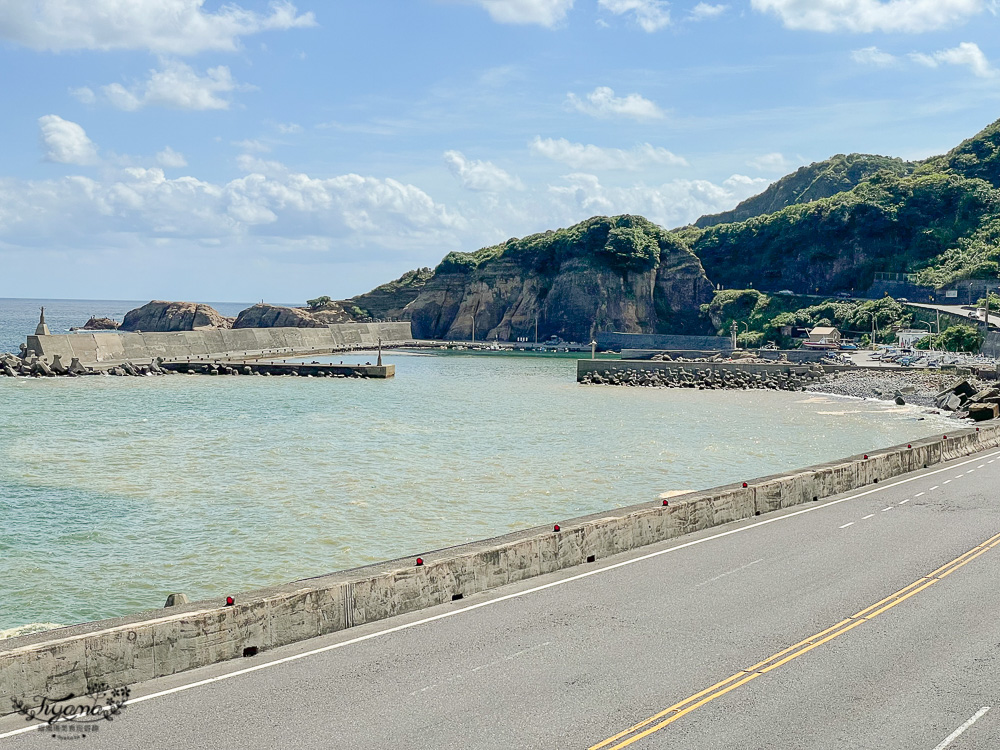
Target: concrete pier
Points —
{"points": [[245, 343]]}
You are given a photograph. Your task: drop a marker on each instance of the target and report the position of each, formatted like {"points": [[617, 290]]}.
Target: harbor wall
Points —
{"points": [[163, 642], [112, 348], [619, 341]]}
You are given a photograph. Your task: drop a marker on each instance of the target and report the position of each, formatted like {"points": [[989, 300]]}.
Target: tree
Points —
{"points": [[960, 338], [318, 302]]}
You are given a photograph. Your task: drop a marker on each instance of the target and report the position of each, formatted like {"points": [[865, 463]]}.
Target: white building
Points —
{"points": [[908, 336]]}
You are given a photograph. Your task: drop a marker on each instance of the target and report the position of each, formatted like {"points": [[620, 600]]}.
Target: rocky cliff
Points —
{"points": [[620, 273], [174, 316], [274, 316]]}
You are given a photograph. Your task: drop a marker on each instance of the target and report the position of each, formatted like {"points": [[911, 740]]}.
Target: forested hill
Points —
{"points": [[940, 220], [818, 180], [827, 228]]}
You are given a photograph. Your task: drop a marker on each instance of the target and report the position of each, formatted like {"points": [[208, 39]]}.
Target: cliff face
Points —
{"points": [[274, 316], [620, 273], [160, 316]]}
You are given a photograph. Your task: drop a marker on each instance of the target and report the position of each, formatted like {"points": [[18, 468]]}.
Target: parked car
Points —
{"points": [[786, 291], [844, 295]]}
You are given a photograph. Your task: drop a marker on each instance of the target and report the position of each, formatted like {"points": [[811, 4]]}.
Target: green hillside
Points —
{"points": [[941, 220], [818, 180]]}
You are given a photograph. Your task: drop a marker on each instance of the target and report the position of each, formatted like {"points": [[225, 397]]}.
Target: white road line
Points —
{"points": [[865, 518], [970, 471], [946, 481], [728, 573], [989, 462], [885, 509], [515, 595], [957, 733], [934, 487], [904, 502], [847, 524], [920, 494], [981, 466]]}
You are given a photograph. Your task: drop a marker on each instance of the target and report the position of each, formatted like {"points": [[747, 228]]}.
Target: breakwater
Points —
{"points": [[299, 369], [116, 348], [133, 649], [701, 375]]}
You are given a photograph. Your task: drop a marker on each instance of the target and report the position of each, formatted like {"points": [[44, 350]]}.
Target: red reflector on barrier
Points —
{"points": [[945, 437], [866, 456], [744, 484], [908, 445], [420, 561], [230, 601], [666, 503], [556, 527]]}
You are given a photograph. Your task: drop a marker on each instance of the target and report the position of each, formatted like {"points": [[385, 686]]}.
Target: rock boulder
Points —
{"points": [[159, 316]]}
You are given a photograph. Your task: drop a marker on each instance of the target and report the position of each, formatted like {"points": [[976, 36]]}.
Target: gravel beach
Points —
{"points": [[918, 388]]}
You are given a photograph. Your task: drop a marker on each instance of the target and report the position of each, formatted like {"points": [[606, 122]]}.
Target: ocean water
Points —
{"points": [[115, 492]]}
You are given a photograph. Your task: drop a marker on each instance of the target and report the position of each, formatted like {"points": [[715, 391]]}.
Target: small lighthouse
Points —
{"points": [[42, 329]]}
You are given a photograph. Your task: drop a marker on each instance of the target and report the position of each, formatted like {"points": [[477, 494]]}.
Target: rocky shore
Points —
{"points": [[920, 389]]}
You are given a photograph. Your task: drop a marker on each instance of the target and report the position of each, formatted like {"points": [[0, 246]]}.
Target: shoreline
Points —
{"points": [[119, 651]]}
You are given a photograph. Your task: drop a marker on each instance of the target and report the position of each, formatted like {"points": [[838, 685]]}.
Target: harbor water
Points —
{"points": [[115, 492]]}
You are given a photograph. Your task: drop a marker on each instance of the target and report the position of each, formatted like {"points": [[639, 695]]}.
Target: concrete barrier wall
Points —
{"points": [[153, 644], [97, 348], [609, 340]]}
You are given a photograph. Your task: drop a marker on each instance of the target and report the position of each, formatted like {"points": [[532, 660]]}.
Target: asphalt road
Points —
{"points": [[864, 621]]}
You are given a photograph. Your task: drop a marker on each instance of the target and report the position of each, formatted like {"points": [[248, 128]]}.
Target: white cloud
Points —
{"points": [[705, 10], [773, 162], [288, 128], [66, 142], [966, 53], [671, 204], [589, 156], [651, 15], [83, 94], [177, 86], [480, 175], [252, 144], [180, 27], [541, 12], [602, 102], [170, 158], [873, 56], [864, 16], [135, 207]]}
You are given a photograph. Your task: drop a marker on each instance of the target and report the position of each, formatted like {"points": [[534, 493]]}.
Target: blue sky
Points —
{"points": [[178, 149]]}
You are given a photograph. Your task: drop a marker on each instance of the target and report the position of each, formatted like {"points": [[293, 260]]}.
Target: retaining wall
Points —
{"points": [[97, 348], [609, 340], [163, 642]]}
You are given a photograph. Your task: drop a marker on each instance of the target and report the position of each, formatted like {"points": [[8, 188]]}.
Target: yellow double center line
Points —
{"points": [[669, 715]]}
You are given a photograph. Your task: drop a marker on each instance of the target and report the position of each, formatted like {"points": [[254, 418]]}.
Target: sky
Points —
{"points": [[186, 149]]}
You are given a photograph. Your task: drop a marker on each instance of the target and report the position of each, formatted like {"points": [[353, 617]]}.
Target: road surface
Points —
{"points": [[869, 620]]}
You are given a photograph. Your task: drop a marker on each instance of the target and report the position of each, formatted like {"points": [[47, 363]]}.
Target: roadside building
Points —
{"points": [[823, 337], [908, 336]]}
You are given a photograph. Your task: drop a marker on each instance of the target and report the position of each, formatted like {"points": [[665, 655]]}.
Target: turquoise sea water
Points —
{"points": [[115, 492]]}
